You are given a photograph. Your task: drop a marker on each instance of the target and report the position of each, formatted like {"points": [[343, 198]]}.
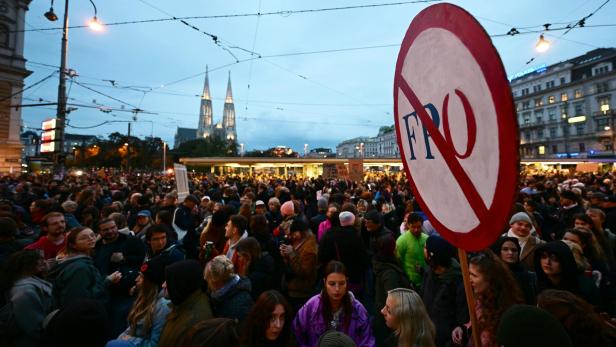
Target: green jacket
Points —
{"points": [[195, 309], [410, 250]]}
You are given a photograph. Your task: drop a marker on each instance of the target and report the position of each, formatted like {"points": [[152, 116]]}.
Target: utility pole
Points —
{"points": [[128, 149], [61, 112], [164, 157]]}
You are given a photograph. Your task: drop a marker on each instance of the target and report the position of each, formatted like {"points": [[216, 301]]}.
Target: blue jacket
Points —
{"points": [[142, 338]]}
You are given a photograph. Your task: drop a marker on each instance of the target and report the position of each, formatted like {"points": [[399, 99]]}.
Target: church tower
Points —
{"points": [[228, 116], [205, 128]]}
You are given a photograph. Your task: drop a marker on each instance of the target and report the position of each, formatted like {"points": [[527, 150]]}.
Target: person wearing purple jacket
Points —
{"points": [[335, 308]]}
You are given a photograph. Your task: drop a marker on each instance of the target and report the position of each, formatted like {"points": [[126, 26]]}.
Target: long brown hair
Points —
{"points": [[502, 290], [72, 238], [259, 318], [326, 307], [144, 306]]}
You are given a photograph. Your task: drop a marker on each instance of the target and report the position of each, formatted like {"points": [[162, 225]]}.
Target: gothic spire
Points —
{"points": [[229, 98], [206, 86]]}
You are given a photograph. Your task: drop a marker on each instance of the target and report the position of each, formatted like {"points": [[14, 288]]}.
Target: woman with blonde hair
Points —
{"points": [[406, 315]]}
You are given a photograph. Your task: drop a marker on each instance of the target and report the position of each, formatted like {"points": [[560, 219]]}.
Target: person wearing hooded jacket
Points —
{"points": [[556, 269], [229, 292], [75, 276], [443, 289], [189, 306]]}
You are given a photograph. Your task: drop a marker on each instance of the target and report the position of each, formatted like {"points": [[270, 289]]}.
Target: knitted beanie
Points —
{"points": [[520, 217], [287, 209], [333, 338]]}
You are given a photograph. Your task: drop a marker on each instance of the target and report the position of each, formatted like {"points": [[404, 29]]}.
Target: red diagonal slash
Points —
{"points": [[447, 151]]}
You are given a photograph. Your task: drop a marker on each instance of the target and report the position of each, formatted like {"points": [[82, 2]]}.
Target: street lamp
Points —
{"points": [[305, 149], [61, 110], [164, 156]]}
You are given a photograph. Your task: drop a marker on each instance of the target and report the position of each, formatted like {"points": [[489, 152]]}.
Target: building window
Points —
{"points": [[553, 132], [601, 70], [579, 109], [563, 111], [538, 102], [564, 97], [539, 133], [549, 84], [525, 105], [552, 113], [579, 129], [562, 81], [602, 87], [582, 147], [526, 117], [604, 103], [602, 123], [554, 149], [537, 88], [551, 99], [539, 116], [577, 93], [527, 135]]}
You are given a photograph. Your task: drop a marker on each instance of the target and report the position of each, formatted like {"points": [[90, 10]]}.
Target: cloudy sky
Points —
{"points": [[315, 77]]}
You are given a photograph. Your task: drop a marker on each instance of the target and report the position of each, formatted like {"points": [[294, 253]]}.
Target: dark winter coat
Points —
{"points": [[233, 300], [32, 301], [343, 244], [76, 277], [445, 301], [260, 275]]}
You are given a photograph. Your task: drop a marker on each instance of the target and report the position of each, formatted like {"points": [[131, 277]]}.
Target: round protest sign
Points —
{"points": [[456, 126]]}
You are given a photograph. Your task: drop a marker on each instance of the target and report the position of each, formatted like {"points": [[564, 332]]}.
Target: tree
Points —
{"points": [[212, 146]]}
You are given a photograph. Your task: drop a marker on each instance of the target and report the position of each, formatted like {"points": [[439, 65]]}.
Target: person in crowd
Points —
{"points": [[229, 292], [8, 242], [443, 289], [70, 207], [299, 263], [599, 242], [53, 226], [410, 246], [495, 291], [118, 252], [405, 314], [591, 250], [529, 326], [331, 219], [89, 217], [260, 230], [508, 249], [374, 227], [144, 221], [288, 214], [260, 208], [213, 332], [521, 228], [75, 276], [274, 218], [148, 315], [342, 243], [321, 215], [598, 218], [185, 219], [81, 322], [269, 322], [214, 232], [388, 274], [235, 231], [189, 305], [556, 269], [255, 265], [29, 295], [121, 223], [569, 207], [583, 325], [334, 308], [160, 247]]}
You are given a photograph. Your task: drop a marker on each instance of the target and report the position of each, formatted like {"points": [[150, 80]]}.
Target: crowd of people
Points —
{"points": [[120, 260]]}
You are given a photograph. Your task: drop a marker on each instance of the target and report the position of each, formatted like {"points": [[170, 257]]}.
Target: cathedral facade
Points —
{"points": [[225, 129]]}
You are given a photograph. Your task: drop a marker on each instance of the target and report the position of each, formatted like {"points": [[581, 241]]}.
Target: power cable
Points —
{"points": [[281, 13], [28, 87], [106, 95]]}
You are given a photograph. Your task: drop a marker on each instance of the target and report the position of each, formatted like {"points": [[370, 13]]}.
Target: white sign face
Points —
{"points": [[181, 181], [456, 126]]}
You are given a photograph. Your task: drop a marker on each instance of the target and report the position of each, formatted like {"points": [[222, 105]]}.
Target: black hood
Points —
{"points": [[569, 270], [183, 278]]}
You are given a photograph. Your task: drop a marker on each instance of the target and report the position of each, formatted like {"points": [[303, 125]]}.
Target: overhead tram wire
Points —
{"points": [[28, 87], [272, 13]]}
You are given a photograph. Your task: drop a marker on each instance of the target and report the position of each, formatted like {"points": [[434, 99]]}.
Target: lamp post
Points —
{"points": [[61, 110], [164, 157]]}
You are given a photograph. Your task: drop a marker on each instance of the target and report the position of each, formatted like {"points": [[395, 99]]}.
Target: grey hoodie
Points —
{"points": [[32, 301]]}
